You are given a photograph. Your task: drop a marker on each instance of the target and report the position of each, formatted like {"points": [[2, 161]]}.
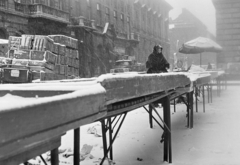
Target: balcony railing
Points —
{"points": [[82, 21], [134, 37], [34, 10], [40, 10], [122, 35], [14, 8]]}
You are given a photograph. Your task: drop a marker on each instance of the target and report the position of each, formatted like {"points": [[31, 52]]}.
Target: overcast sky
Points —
{"points": [[203, 9]]}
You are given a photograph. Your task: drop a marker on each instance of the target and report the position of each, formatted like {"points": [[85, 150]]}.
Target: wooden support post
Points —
{"points": [[150, 116], [54, 157], [76, 156], [167, 153]]}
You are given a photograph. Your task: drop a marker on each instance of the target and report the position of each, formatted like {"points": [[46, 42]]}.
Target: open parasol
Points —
{"points": [[200, 45]]}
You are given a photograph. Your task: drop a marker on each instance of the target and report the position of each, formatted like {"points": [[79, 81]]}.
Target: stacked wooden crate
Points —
{"points": [[68, 58], [51, 57]]}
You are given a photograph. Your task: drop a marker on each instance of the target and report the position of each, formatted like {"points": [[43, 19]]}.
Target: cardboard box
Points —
{"points": [[62, 60], [14, 42], [55, 48], [62, 70], [37, 63], [43, 43], [22, 54], [37, 55], [50, 66], [65, 40], [57, 69], [27, 41], [61, 50], [76, 72], [50, 57], [23, 62]]}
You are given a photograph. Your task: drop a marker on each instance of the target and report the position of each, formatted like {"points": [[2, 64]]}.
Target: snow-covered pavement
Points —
{"points": [[214, 139]]}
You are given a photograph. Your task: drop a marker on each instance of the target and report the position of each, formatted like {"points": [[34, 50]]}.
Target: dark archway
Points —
{"points": [[3, 33]]}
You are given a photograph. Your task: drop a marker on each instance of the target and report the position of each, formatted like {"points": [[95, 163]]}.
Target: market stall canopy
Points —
{"points": [[199, 45]]}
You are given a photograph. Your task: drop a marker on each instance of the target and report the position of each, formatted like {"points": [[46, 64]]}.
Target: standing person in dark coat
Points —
{"points": [[156, 62]]}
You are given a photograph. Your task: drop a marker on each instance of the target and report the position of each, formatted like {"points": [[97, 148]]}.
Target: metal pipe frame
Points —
{"points": [[108, 149]]}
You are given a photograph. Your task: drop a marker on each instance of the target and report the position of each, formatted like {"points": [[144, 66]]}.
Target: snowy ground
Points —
{"points": [[214, 140]]}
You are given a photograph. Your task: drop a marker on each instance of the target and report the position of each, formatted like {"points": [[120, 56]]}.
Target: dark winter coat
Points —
{"points": [[156, 63]]}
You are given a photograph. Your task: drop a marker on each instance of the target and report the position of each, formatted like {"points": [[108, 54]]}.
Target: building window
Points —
{"points": [[89, 10], [107, 15], [107, 10], [128, 26], [128, 19], [122, 22], [121, 16], [98, 6], [99, 15], [115, 20]]}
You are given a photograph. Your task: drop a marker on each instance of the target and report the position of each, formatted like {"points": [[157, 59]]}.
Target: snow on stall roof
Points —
{"points": [[79, 84], [134, 74], [51, 86], [21, 102], [82, 83], [193, 76]]}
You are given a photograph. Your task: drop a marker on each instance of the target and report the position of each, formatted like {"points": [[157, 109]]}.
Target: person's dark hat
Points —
{"points": [[157, 47]]}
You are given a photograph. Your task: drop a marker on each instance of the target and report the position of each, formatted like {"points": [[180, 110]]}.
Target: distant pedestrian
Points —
{"points": [[156, 62], [209, 66]]}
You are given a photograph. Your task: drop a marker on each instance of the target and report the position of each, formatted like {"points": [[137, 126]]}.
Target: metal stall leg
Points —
{"points": [[104, 139], [211, 92], [167, 130], [54, 157], [76, 156], [110, 132], [188, 110], [225, 81], [196, 99], [167, 155], [108, 127], [208, 92], [203, 95], [174, 104], [191, 108], [218, 84], [150, 116]]}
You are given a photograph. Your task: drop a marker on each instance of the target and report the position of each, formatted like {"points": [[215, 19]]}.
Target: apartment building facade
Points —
{"points": [[106, 29], [227, 30]]}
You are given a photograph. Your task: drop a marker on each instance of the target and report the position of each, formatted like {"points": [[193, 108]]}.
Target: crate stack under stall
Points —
{"points": [[53, 57]]}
